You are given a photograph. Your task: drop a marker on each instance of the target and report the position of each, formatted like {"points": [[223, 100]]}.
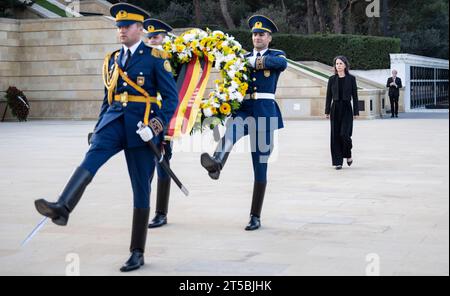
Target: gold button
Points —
{"points": [[124, 104], [125, 84], [255, 88], [254, 79], [125, 73]]}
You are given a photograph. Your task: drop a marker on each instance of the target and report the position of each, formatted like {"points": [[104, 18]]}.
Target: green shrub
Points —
{"points": [[363, 52]]}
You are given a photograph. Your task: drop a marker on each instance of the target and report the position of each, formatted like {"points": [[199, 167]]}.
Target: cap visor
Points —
{"points": [[125, 23], [260, 31]]}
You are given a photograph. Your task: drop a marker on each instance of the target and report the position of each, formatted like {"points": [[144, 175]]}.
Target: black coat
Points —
{"points": [[394, 91], [350, 92]]}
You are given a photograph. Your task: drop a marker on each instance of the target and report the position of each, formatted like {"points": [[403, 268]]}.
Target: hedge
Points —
{"points": [[363, 52]]}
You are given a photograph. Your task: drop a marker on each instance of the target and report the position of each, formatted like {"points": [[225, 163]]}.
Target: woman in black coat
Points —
{"points": [[341, 91]]}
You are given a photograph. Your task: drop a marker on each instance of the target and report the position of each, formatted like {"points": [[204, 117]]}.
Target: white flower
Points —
{"points": [[218, 32], [229, 57], [234, 85], [188, 37], [239, 97], [208, 112], [231, 73]]}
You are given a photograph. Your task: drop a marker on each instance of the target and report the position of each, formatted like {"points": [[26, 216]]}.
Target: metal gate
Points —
{"points": [[429, 87]]}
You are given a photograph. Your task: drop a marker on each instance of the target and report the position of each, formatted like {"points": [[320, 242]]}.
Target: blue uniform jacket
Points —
{"points": [[265, 81], [157, 78]]}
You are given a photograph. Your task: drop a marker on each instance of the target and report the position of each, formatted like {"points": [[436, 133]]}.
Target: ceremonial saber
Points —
{"points": [[34, 231], [166, 167]]}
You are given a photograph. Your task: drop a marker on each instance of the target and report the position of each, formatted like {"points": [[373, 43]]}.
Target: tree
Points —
{"points": [[226, 14], [197, 10], [310, 16], [8, 7], [318, 5]]}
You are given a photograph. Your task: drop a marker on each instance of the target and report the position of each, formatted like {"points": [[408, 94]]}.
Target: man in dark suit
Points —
{"points": [[394, 83]]}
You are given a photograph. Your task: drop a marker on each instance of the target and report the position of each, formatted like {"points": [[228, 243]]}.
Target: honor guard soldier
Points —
{"points": [[132, 77], [157, 31], [259, 115]]}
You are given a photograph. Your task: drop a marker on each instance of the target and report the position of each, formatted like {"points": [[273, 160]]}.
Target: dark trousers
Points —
{"points": [[394, 105], [341, 118], [109, 141], [261, 143]]}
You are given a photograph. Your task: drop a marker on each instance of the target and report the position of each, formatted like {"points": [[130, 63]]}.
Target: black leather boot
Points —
{"points": [[59, 211], [138, 239], [162, 204], [216, 163], [259, 190]]}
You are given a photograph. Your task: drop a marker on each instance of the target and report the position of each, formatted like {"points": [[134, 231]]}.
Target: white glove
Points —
{"points": [[252, 61], [144, 132]]}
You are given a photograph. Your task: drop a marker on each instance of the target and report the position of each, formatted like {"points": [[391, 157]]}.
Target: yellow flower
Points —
{"points": [[210, 57], [180, 47], [194, 43], [228, 65], [225, 109]]}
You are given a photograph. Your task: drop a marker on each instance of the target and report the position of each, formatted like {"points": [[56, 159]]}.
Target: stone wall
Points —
{"points": [[57, 63]]}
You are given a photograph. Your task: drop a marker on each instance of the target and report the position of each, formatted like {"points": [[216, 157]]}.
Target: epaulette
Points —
{"points": [[108, 56], [158, 53], [113, 53], [279, 52]]}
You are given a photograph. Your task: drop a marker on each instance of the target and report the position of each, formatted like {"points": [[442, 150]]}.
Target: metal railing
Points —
{"points": [[429, 87]]}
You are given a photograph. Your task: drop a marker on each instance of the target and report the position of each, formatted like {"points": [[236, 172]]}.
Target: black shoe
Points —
{"points": [[138, 239], [135, 261], [349, 163], [339, 167], [392, 116], [216, 163], [59, 211], [211, 165], [396, 115], [55, 211], [158, 221], [214, 175], [254, 223]]}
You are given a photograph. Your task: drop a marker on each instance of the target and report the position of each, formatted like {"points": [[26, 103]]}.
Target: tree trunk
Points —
{"points": [[319, 10], [310, 16], [283, 8], [197, 11], [384, 16], [226, 14], [336, 16], [349, 19]]}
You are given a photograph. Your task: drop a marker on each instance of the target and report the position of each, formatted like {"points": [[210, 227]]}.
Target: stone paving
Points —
{"points": [[388, 214]]}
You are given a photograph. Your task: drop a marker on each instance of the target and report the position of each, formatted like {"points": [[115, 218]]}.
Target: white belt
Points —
{"points": [[257, 96]]}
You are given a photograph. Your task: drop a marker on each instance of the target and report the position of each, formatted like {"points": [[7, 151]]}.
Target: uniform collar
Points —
{"points": [[132, 48], [262, 52], [159, 46]]}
